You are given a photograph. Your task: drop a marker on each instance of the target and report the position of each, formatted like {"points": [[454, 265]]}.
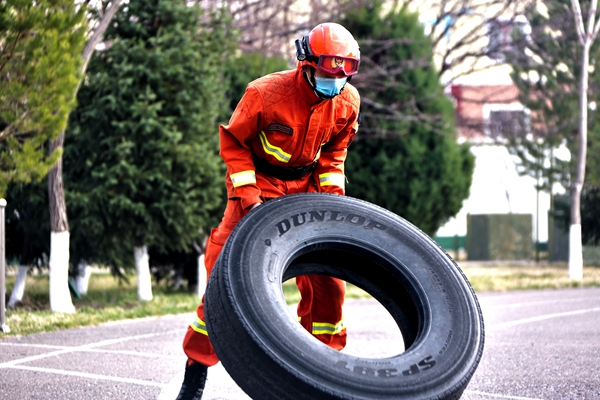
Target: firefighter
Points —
{"points": [[289, 134]]}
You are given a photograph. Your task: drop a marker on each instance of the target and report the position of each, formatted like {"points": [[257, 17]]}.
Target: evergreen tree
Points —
{"points": [[239, 71], [27, 224], [40, 56], [245, 68], [548, 88], [405, 157], [141, 152]]}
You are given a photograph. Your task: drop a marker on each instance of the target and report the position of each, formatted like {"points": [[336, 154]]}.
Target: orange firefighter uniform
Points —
{"points": [[283, 139]]}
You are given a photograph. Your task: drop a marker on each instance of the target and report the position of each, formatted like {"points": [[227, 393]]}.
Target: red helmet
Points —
{"points": [[330, 48]]}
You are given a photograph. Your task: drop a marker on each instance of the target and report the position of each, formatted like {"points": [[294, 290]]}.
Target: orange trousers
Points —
{"points": [[322, 297]]}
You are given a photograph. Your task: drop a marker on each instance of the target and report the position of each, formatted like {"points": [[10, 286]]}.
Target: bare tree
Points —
{"points": [[467, 35], [460, 30], [471, 35], [271, 26], [586, 39]]}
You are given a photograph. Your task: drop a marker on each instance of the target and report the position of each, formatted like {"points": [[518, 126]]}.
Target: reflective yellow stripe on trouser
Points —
{"points": [[243, 178], [332, 178], [275, 151], [325, 328], [199, 326]]}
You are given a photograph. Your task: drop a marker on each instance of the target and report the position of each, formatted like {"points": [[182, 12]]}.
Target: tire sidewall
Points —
{"points": [[450, 337]]}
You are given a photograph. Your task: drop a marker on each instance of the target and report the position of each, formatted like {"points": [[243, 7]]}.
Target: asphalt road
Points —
{"points": [[539, 345]]}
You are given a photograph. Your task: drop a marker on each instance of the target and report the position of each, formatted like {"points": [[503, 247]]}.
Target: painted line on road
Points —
{"points": [[536, 303], [41, 346], [85, 347], [139, 354], [502, 396], [89, 376], [126, 338], [171, 389], [192, 315], [540, 318], [123, 352]]}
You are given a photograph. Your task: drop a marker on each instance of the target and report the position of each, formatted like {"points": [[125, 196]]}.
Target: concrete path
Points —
{"points": [[539, 345]]}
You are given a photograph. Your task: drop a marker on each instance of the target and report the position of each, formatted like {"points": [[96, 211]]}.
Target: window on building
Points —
{"points": [[507, 123], [504, 120], [501, 33]]}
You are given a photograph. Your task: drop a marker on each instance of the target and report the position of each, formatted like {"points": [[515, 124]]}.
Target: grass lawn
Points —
{"points": [[496, 277], [110, 299]]}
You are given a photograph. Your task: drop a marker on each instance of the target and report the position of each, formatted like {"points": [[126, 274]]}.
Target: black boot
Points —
{"points": [[193, 382]]}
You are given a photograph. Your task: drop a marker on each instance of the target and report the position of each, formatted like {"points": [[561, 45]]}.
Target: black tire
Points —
{"points": [[270, 356]]}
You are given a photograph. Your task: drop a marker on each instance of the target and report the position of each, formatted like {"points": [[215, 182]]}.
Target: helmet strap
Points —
{"points": [[310, 79], [312, 83]]}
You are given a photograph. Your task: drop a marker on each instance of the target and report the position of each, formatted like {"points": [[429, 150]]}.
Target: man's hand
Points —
{"points": [[254, 206]]}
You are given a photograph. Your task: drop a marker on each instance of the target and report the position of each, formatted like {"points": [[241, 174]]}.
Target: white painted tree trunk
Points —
{"points": [[202, 281], [60, 297], [575, 241], [575, 252], [19, 288], [142, 266], [83, 278], [586, 38]]}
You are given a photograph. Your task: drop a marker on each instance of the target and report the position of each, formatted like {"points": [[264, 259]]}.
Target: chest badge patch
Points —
{"points": [[275, 127]]}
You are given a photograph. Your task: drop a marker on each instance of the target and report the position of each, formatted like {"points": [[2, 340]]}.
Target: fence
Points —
{"points": [[505, 237]]}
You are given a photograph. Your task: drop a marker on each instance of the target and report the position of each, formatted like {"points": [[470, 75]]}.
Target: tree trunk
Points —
{"points": [[59, 235], [60, 297], [575, 242], [16, 296], [56, 193], [84, 272], [142, 266], [586, 38]]}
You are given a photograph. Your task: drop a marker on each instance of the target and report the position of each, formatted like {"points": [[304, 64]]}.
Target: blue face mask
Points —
{"points": [[329, 87]]}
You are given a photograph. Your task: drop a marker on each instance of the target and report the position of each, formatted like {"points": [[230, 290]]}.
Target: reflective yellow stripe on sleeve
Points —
{"points": [[324, 328], [275, 151], [199, 326], [243, 178], [332, 178]]}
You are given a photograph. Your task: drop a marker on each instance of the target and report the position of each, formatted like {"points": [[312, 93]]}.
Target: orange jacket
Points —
{"points": [[281, 120]]}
